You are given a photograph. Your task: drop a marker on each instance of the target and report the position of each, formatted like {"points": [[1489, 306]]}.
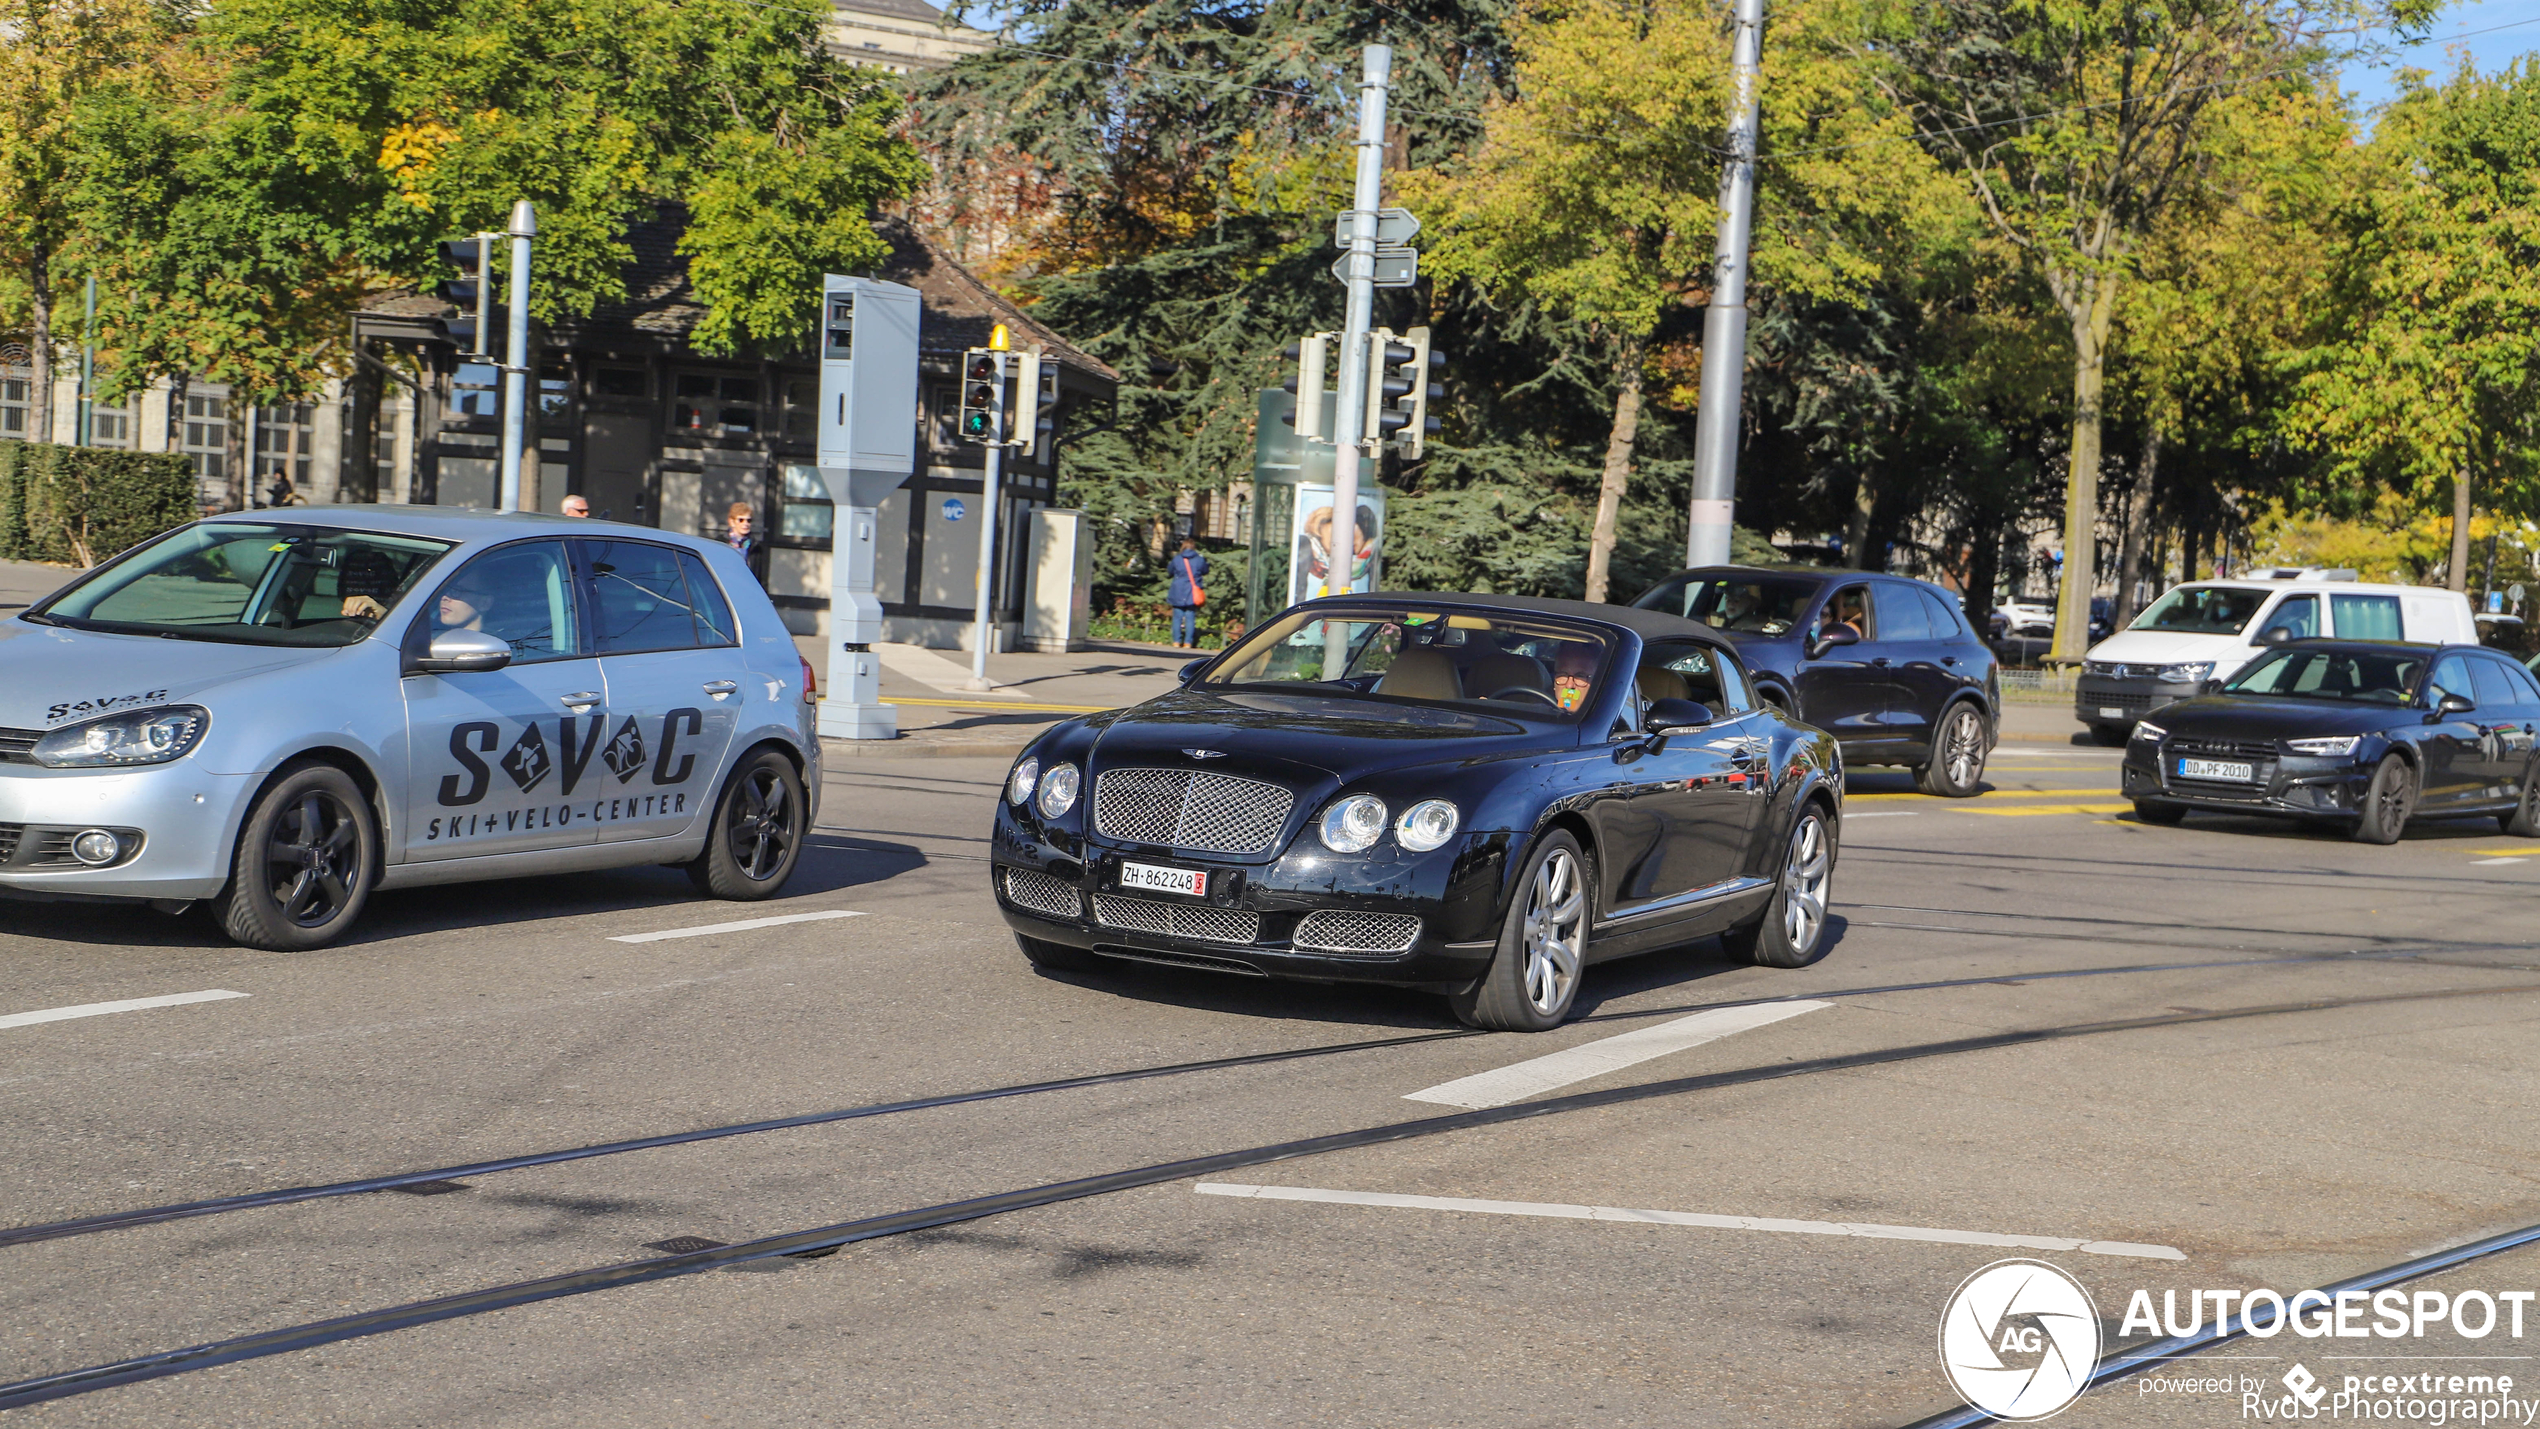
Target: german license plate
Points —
{"points": [[2218, 769], [1189, 882], [2107, 713]]}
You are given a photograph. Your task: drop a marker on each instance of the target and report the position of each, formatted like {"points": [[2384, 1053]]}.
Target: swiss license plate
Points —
{"points": [[2217, 769], [1189, 882]]}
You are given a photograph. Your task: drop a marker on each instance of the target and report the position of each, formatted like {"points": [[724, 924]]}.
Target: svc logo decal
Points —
{"points": [[528, 762], [2019, 1339]]}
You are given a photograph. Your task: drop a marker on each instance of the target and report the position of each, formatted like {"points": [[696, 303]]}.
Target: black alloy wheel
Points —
{"points": [[2388, 800], [1534, 977], [757, 834], [303, 866], [2524, 820], [1958, 750], [2153, 811], [1791, 931]]}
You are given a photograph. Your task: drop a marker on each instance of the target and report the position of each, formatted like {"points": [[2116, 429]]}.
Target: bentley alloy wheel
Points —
{"points": [[1534, 976], [1791, 931]]}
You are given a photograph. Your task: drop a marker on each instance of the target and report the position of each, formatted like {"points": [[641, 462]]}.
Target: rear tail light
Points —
{"points": [[811, 683]]}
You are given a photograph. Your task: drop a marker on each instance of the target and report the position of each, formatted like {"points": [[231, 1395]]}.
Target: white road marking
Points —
{"points": [[2498, 860], [100, 1009], [1864, 1229], [1538, 1075], [743, 926]]}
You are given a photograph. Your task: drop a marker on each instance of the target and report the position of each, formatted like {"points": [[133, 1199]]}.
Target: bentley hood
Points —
{"points": [[51, 676]]}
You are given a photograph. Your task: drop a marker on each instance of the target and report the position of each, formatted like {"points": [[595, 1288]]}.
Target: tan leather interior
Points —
{"points": [[1421, 674], [1657, 682]]}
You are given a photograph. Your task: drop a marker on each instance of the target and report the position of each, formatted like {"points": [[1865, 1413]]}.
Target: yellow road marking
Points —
{"points": [[990, 706], [2525, 851], [1996, 794], [2055, 809]]}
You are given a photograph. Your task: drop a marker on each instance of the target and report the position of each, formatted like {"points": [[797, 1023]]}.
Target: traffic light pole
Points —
{"points": [[516, 361], [1349, 422], [1715, 431]]}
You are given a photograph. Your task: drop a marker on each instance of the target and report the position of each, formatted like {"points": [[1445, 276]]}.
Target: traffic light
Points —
{"points": [[1386, 382], [1035, 403], [1307, 384], [1417, 425], [983, 396], [472, 291]]}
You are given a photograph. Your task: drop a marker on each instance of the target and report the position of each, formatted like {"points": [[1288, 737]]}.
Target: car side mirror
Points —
{"points": [[1191, 671], [462, 652], [1832, 636], [1670, 717], [2456, 704], [2276, 635]]}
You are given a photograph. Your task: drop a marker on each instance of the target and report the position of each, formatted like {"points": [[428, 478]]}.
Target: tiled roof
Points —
{"points": [[661, 309]]}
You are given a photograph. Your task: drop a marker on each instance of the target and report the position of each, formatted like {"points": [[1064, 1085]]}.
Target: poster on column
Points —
{"points": [[1312, 573]]}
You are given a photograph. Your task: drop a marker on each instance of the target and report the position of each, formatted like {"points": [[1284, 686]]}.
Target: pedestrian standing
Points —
{"points": [[736, 534], [1189, 568]]}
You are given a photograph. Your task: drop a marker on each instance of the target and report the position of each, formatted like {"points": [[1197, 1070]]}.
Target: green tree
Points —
{"points": [[2427, 366]]}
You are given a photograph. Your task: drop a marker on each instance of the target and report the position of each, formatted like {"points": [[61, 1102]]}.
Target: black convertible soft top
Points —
{"points": [[1647, 624]]}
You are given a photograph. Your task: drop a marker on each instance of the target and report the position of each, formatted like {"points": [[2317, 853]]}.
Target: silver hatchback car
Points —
{"points": [[281, 711]]}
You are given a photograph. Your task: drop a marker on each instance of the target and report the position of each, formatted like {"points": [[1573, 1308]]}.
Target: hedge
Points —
{"points": [[81, 505]]}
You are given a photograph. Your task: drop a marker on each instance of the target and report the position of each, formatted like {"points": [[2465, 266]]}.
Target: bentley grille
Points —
{"points": [[1041, 893], [1333, 931], [1180, 808], [1177, 920]]}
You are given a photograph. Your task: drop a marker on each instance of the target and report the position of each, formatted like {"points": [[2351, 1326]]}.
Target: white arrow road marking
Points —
{"points": [[100, 1009], [743, 926], [1538, 1075], [1690, 1218]]}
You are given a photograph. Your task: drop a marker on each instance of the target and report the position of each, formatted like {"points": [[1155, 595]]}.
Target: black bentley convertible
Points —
{"points": [[2365, 733], [1475, 795]]}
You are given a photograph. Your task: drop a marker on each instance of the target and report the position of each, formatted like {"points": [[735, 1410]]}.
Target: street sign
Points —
{"points": [[1395, 267], [1394, 228]]}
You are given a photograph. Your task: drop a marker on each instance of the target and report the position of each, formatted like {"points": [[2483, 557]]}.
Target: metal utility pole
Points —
{"points": [[88, 377], [987, 567], [516, 361], [1350, 420], [1724, 326]]}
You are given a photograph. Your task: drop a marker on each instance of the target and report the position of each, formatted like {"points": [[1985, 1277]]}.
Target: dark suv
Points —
{"points": [[1884, 664]]}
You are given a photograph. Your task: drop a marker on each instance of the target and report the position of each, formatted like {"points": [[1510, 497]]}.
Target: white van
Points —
{"points": [[2207, 630]]}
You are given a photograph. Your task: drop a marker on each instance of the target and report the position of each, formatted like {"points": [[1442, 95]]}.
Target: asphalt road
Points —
{"points": [[2287, 1148]]}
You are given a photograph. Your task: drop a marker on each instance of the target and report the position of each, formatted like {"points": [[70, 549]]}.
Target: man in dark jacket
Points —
{"points": [[1188, 568]]}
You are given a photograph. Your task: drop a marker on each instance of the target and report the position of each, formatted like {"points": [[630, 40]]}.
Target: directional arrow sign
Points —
{"points": [[1394, 228], [1395, 267]]}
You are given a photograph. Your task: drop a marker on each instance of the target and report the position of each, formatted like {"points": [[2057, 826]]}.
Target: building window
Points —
{"points": [[111, 424], [618, 382], [802, 409], [555, 385], [943, 417], [284, 436], [720, 406], [807, 511], [476, 390], [207, 435], [16, 390]]}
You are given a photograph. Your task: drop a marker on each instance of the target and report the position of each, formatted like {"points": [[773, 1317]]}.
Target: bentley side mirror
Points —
{"points": [[464, 651], [1671, 717], [1191, 671], [1832, 636], [2456, 704]]}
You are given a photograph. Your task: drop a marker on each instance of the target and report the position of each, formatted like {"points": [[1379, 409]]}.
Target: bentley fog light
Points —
{"points": [[1018, 785], [141, 737], [2332, 745], [1354, 824], [1058, 790], [1425, 825], [96, 846]]}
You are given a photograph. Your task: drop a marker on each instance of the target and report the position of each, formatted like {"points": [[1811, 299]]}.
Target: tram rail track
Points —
{"points": [[823, 1239]]}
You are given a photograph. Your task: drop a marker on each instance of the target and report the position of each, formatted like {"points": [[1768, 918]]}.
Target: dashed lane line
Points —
{"points": [[743, 926], [1864, 1229], [129, 1004], [1537, 1075]]}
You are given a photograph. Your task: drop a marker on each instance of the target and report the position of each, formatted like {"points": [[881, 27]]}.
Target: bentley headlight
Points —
{"points": [[2186, 673], [1058, 790], [1425, 825], [140, 737], [1354, 824], [2331, 745], [2147, 730], [1018, 785]]}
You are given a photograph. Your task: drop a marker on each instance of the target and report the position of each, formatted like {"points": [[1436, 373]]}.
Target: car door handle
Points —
{"points": [[1879, 660], [720, 688], [1949, 659], [580, 700]]}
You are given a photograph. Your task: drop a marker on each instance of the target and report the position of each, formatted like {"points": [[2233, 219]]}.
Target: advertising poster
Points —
{"points": [[1311, 572]]}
